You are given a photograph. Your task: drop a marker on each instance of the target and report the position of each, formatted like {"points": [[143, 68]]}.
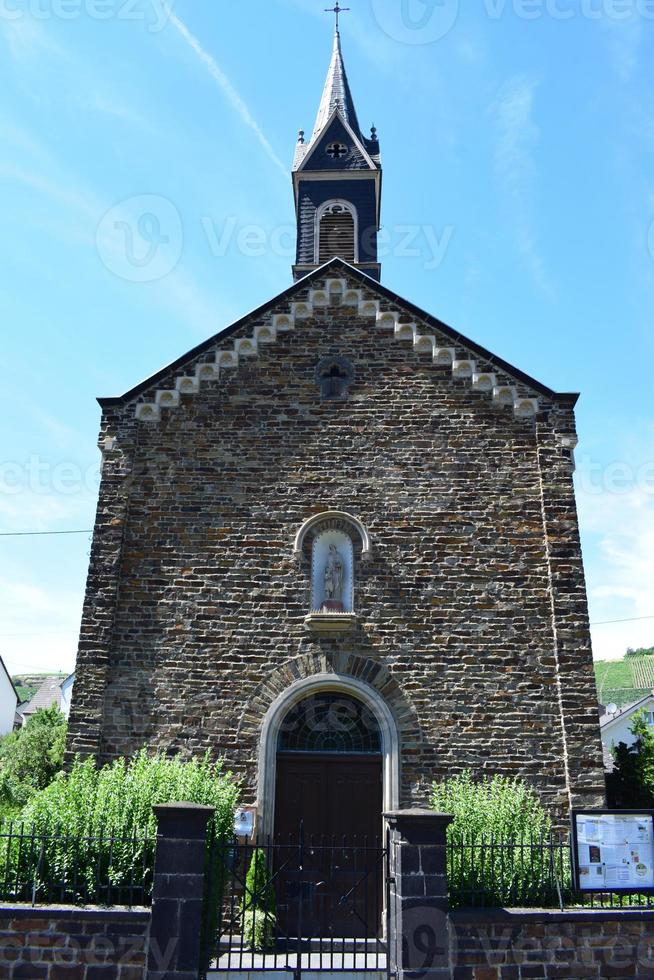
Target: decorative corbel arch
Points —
{"points": [[339, 519]]}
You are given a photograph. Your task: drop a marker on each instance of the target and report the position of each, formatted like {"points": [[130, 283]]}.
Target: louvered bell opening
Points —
{"points": [[336, 237]]}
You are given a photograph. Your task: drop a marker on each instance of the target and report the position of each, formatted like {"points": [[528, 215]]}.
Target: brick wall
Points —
{"points": [[472, 616], [520, 945], [73, 944]]}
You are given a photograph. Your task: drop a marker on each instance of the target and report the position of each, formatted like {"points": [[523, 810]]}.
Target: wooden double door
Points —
{"points": [[329, 847]]}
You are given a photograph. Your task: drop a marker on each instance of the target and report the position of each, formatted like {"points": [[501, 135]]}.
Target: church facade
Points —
{"points": [[337, 543]]}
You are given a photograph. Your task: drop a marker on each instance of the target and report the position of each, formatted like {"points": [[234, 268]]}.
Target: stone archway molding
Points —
{"points": [[338, 516], [298, 691]]}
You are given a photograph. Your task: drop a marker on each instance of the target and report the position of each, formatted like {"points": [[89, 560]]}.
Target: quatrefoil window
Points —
{"points": [[337, 151], [334, 375]]}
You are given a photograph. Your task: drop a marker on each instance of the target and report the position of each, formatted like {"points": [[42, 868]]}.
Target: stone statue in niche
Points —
{"points": [[334, 572]]}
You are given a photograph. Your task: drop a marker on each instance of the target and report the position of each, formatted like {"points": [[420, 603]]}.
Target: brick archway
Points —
{"points": [[365, 679]]}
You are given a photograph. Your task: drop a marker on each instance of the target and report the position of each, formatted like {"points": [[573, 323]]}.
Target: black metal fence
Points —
{"points": [[296, 905], [532, 872], [41, 868]]}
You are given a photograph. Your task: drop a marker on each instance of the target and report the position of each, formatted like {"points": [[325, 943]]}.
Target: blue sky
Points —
{"points": [[518, 150]]}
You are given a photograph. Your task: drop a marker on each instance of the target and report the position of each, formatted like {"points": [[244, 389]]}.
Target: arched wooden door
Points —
{"points": [[329, 799]]}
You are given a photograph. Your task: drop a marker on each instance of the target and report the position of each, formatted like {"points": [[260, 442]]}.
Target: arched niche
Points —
{"points": [[333, 520], [332, 572]]}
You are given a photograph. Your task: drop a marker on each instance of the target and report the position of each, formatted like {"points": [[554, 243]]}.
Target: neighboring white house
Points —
{"points": [[53, 691], [8, 701], [615, 726], [66, 694]]}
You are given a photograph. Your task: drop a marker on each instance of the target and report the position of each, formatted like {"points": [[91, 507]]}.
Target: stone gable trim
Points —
{"points": [[294, 291], [339, 292]]}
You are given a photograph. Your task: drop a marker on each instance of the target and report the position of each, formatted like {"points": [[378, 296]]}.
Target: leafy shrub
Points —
{"points": [[499, 843], [30, 758], [95, 828], [259, 904], [631, 784]]}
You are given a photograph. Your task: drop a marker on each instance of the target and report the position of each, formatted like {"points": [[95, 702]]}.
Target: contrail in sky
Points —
{"points": [[228, 89]]}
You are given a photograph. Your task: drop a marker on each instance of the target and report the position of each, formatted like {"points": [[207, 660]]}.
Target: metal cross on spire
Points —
{"points": [[338, 10]]}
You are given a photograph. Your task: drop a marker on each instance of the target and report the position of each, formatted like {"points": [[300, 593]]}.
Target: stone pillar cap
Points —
{"points": [[171, 807], [417, 813]]}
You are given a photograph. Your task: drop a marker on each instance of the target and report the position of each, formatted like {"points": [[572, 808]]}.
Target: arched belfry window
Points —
{"points": [[330, 722], [336, 232]]}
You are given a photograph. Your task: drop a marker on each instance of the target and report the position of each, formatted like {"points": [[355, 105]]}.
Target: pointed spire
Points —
{"points": [[336, 94]]}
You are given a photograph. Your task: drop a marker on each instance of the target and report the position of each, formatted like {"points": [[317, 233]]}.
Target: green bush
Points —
{"points": [[631, 784], [499, 851], [97, 828], [259, 905], [30, 758]]}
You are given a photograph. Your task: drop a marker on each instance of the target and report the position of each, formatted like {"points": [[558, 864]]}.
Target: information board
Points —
{"points": [[613, 850]]}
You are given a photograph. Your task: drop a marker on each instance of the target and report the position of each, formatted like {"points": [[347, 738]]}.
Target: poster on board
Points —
{"points": [[613, 850]]}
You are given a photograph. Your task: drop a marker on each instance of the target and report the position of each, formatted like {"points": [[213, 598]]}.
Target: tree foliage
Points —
{"points": [[259, 904], [31, 757], [631, 784], [496, 806], [499, 840], [96, 827]]}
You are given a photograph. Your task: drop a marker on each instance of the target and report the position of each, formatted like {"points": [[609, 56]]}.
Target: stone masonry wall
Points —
{"points": [[514, 945], [72, 944], [472, 609]]}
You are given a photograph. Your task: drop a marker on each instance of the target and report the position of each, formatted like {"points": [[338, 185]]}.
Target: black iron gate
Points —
{"points": [[296, 905]]}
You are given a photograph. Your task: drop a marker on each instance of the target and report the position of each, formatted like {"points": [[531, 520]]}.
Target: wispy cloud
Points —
{"points": [[27, 39], [178, 292], [516, 172], [229, 91], [624, 38], [38, 628]]}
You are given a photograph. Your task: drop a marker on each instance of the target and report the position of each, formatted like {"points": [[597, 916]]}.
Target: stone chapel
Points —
{"points": [[337, 543]]}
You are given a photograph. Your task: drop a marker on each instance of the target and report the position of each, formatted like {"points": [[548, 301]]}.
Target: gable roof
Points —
{"points": [[48, 694], [337, 265], [337, 100], [334, 127], [606, 721], [13, 686]]}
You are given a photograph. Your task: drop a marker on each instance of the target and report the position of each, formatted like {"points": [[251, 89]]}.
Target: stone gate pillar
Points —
{"points": [[177, 899], [419, 933]]}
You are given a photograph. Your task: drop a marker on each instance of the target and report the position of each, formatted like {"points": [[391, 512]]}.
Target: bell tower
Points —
{"points": [[337, 178]]}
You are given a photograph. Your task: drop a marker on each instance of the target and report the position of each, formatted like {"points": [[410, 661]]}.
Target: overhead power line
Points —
{"points": [[634, 619]]}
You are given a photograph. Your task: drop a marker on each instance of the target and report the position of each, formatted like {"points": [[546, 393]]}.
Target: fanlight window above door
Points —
{"points": [[337, 232], [330, 722]]}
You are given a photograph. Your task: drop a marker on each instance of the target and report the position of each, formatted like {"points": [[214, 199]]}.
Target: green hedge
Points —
{"points": [[502, 851], [90, 835]]}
